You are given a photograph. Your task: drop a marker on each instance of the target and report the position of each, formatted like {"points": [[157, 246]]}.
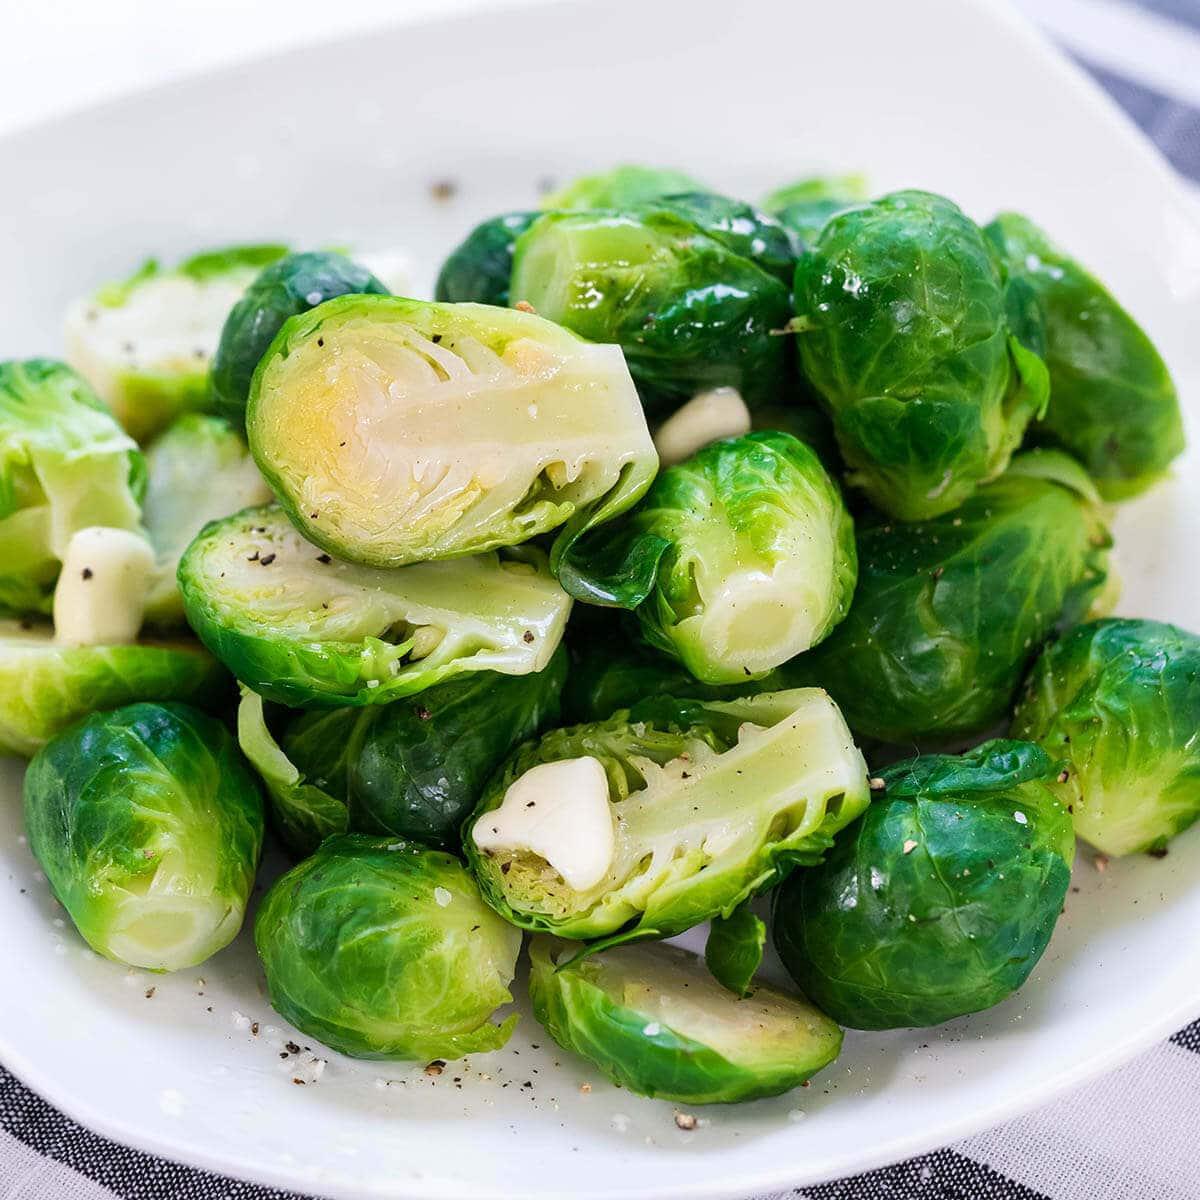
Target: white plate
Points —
{"points": [[341, 144]]}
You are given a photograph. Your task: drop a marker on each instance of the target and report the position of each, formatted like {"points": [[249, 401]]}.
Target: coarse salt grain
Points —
{"points": [[653, 1029], [1020, 818], [442, 896]]}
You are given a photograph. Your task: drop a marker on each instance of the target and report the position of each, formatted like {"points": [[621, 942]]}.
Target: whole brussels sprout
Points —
{"points": [[396, 431], [145, 344], [805, 206], [66, 465], [414, 768], [665, 815], [940, 901], [45, 687], [293, 284], [1119, 700], [735, 561], [480, 267], [655, 1022], [948, 613], [381, 949], [622, 187], [688, 312], [302, 628], [198, 470], [148, 825], [1112, 401], [926, 357]]}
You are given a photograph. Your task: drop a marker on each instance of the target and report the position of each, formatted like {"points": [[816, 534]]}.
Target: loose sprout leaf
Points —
{"points": [[148, 825], [303, 628], [949, 612], [1112, 404], [478, 270], [688, 312], [622, 187], [383, 949], [66, 465], [46, 687], [293, 284], [1119, 701], [652, 1020], [145, 344], [903, 330], [734, 950], [396, 431], [736, 560], [198, 470], [713, 802], [941, 900]]}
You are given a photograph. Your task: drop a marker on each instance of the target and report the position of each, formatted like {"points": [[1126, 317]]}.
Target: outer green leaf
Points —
{"points": [[381, 949], [479, 268], [1113, 403], [622, 187], [941, 900], [302, 628], [949, 612], [713, 802], [805, 206], [734, 950], [904, 329], [1119, 700], [653, 1021], [148, 825]]}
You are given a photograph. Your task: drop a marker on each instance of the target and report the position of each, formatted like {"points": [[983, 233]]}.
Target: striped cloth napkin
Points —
{"points": [[1129, 1136]]}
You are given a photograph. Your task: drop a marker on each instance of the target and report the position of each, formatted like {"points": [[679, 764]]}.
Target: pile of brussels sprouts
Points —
{"points": [[570, 601]]}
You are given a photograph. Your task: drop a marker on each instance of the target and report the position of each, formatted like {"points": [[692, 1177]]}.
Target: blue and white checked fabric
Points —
{"points": [[1129, 1136]]}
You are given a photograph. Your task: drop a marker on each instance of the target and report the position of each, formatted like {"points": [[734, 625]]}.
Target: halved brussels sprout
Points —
{"points": [[940, 901], [688, 312], [926, 357], [148, 824], [382, 949], [65, 465], [396, 431], [805, 206], [293, 284], [736, 560], [661, 817], [302, 628], [1112, 401], [948, 613], [414, 768], [1119, 700], [197, 471], [479, 268], [621, 187], [145, 344], [45, 687], [654, 1021]]}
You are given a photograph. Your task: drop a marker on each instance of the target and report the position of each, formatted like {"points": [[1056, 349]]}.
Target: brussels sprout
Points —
{"points": [[197, 471], [46, 686], [653, 1021], [622, 187], [948, 613], [1112, 402], [414, 769], [65, 466], [480, 267], [381, 949], [290, 285], [736, 560], [734, 950], [145, 344], [805, 206], [688, 312], [924, 355], [663, 816], [1119, 700], [940, 901], [148, 825], [302, 628], [395, 431]]}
